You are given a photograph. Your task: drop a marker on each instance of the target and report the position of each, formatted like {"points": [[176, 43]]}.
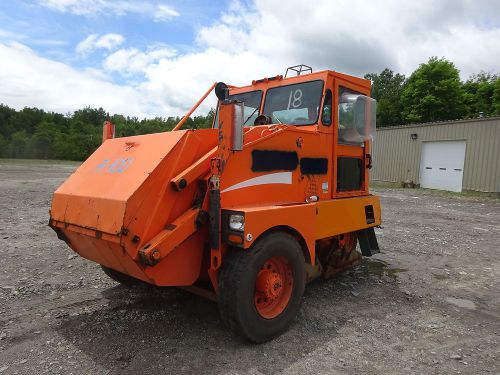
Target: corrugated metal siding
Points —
{"points": [[396, 157]]}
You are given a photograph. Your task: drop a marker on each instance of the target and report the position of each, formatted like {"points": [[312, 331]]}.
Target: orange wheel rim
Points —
{"points": [[347, 241], [273, 287]]}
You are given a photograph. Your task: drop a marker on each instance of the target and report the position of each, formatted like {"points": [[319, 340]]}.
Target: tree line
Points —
{"points": [[433, 92], [34, 133]]}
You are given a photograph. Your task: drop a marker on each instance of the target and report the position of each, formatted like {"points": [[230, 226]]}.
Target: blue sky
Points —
{"points": [[53, 31], [157, 57]]}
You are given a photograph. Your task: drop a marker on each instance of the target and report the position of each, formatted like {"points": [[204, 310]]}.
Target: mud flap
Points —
{"points": [[368, 242]]}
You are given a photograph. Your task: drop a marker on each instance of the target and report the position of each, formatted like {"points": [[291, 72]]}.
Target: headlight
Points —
{"points": [[237, 222]]}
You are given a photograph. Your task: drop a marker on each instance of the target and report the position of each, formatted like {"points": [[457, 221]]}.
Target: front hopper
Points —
{"points": [[121, 198]]}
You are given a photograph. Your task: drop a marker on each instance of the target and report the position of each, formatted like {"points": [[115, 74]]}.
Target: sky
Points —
{"points": [[156, 58]]}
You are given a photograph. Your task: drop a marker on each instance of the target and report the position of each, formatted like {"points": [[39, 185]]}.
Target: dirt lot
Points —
{"points": [[429, 303]]}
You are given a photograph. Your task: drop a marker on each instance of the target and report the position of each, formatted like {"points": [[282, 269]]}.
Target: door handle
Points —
{"points": [[369, 157]]}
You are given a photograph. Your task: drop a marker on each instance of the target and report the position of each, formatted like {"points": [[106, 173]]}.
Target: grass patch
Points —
{"points": [[465, 193], [385, 184], [37, 162], [440, 193]]}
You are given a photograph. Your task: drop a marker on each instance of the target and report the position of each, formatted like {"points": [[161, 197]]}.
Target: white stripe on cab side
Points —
{"points": [[272, 178]]}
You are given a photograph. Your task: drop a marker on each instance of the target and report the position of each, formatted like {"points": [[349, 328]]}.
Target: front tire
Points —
{"points": [[261, 288]]}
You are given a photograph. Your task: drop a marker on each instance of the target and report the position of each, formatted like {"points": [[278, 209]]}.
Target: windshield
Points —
{"points": [[251, 105], [296, 104]]}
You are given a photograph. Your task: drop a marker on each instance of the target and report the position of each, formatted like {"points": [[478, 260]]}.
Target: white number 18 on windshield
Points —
{"points": [[295, 99]]}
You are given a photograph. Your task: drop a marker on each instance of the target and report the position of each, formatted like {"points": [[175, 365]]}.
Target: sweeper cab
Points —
{"points": [[247, 212]]}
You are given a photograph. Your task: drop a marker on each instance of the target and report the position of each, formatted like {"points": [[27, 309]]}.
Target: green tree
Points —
{"points": [[433, 93], [27, 119], [496, 98], [43, 140], [387, 90], [83, 138], [19, 144], [90, 116], [63, 149], [479, 94], [4, 147], [6, 127], [205, 122]]}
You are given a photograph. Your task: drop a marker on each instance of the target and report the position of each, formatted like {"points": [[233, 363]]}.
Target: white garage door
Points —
{"points": [[442, 165]]}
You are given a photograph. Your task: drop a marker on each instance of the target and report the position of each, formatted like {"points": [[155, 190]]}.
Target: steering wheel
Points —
{"points": [[262, 120]]}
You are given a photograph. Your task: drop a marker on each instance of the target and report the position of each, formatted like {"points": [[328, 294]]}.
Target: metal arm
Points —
{"points": [[179, 125]]}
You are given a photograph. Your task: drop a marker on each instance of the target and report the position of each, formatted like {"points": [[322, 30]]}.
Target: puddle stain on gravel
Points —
{"points": [[440, 276], [379, 268], [461, 302]]}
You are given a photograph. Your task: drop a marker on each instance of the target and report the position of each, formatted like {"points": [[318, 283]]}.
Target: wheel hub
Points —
{"points": [[273, 287], [269, 284]]}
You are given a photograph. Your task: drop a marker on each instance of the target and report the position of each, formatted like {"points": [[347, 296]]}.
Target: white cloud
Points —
{"points": [[109, 41], [177, 83], [9, 35], [132, 60], [165, 13], [27, 79], [360, 36], [80, 7], [48, 42], [353, 37], [91, 8], [253, 41], [94, 41]]}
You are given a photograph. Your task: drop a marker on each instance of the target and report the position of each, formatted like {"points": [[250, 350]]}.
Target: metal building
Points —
{"points": [[452, 155]]}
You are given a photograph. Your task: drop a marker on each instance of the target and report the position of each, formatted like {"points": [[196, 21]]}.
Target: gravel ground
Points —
{"points": [[428, 304]]}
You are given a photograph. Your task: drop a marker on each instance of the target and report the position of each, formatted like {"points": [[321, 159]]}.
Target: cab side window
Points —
{"points": [[326, 117]]}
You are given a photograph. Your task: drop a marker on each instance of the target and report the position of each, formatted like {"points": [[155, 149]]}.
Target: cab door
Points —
{"points": [[353, 129]]}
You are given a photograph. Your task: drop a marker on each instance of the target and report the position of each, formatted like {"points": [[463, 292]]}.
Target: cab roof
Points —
{"points": [[279, 80]]}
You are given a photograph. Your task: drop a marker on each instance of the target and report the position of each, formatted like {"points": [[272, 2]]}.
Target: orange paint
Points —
{"points": [[140, 205]]}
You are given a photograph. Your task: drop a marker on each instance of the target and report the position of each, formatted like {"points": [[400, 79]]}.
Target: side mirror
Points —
{"points": [[365, 116], [231, 117], [237, 141], [221, 91], [357, 118]]}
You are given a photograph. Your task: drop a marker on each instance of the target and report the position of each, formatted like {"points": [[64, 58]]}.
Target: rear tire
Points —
{"points": [[261, 288], [121, 278]]}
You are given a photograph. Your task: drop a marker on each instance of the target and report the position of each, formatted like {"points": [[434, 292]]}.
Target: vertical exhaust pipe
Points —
{"points": [[108, 129]]}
